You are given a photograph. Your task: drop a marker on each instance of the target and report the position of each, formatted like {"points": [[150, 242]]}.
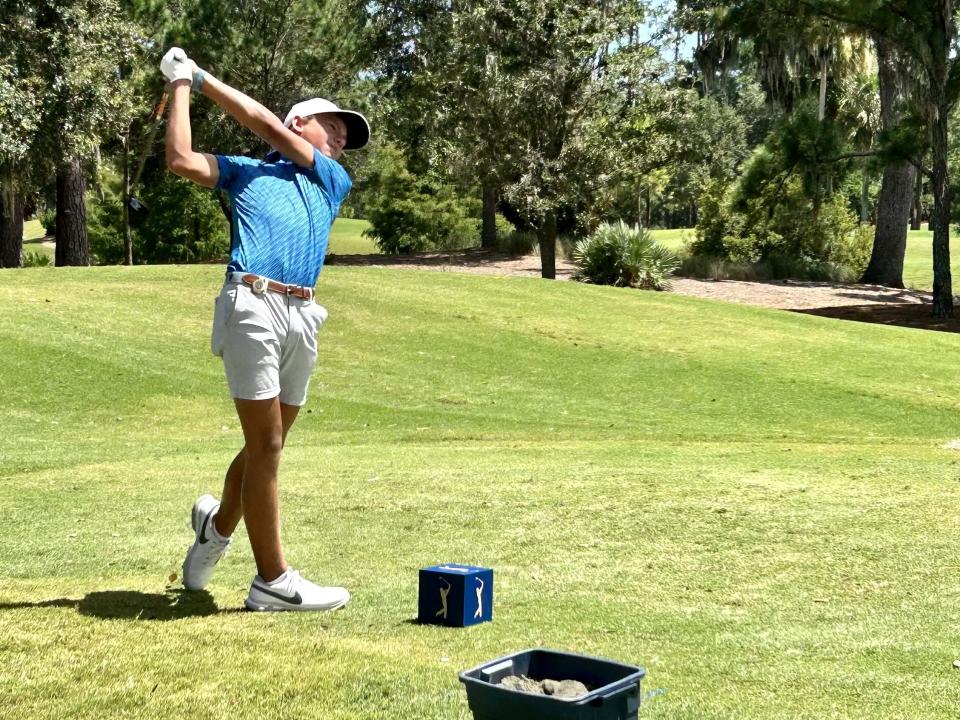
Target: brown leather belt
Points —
{"points": [[261, 284]]}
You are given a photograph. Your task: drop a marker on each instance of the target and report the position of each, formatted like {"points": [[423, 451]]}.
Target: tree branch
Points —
{"points": [[865, 24], [850, 156]]}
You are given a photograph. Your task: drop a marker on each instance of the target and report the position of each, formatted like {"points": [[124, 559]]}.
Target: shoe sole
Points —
{"points": [[252, 606]]}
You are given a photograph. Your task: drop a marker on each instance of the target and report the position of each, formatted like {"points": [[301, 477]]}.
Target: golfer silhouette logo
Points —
{"points": [[442, 612], [479, 612]]}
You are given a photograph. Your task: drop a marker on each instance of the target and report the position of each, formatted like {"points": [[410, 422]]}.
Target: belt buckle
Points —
{"points": [[260, 285]]}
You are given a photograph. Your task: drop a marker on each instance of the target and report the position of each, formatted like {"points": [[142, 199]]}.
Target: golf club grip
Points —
{"points": [[161, 106]]}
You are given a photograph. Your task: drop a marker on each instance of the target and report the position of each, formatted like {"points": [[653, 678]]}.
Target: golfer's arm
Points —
{"points": [[201, 168], [259, 120]]}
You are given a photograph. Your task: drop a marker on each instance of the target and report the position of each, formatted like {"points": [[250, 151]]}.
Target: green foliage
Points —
{"points": [[524, 96], [20, 105], [105, 217], [277, 53], [411, 213], [624, 256], [48, 219], [780, 233], [779, 216], [183, 223], [105, 228], [716, 222], [516, 242], [36, 258], [71, 54]]}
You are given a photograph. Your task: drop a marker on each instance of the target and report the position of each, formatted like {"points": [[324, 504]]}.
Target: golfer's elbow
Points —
{"points": [[177, 162], [196, 167]]}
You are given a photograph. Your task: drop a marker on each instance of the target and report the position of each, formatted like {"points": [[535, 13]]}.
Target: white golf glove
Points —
{"points": [[176, 65]]}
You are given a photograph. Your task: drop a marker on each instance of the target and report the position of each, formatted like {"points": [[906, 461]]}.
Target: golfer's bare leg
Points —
{"points": [[231, 501], [262, 424]]}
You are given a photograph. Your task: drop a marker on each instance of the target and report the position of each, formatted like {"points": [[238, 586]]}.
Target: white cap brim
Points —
{"points": [[358, 129]]}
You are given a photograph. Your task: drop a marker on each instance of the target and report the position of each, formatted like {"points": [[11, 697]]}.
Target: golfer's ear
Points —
{"points": [[287, 142]]}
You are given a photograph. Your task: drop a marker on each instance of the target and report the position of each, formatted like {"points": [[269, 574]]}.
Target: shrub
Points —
{"points": [[567, 246], [182, 223], [777, 216], [48, 219], [516, 242], [105, 228], [35, 258], [716, 223], [624, 256], [717, 268], [783, 232], [410, 213]]}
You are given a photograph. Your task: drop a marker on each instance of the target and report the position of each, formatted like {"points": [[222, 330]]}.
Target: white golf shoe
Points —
{"points": [[208, 547], [292, 592]]}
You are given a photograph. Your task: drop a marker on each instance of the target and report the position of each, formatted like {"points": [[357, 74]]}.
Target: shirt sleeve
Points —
{"points": [[232, 167], [331, 175]]}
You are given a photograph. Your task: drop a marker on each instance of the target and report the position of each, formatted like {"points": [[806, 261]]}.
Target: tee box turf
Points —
{"points": [[455, 595]]}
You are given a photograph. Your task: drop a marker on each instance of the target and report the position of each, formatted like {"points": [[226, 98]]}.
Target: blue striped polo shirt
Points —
{"points": [[282, 214]]}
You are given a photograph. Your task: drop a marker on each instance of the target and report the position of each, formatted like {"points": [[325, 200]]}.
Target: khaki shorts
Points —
{"points": [[268, 342]]}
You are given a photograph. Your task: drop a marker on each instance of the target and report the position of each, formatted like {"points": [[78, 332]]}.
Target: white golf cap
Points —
{"points": [[358, 129]]}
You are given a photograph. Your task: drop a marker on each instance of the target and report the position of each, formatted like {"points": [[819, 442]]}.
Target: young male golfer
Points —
{"points": [[266, 321]]}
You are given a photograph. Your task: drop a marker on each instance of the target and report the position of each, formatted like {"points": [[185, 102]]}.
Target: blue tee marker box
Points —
{"points": [[455, 595]]}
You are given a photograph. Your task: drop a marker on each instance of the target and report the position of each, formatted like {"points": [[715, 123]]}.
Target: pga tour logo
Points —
{"points": [[444, 591]]}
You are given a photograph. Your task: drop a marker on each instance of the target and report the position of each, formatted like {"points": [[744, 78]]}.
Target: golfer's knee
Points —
{"points": [[267, 445]]}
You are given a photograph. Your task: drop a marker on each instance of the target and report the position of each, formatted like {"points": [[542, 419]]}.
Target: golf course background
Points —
{"points": [[754, 505], [346, 238]]}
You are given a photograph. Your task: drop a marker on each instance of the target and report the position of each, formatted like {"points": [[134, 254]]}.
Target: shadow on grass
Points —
{"points": [[132, 605], [911, 315]]}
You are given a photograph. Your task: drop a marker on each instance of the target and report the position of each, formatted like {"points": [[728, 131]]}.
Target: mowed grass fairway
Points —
{"points": [[347, 238], [918, 260], [754, 505]]}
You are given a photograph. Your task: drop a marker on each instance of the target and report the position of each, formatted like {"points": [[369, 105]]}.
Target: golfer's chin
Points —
{"points": [[332, 154]]}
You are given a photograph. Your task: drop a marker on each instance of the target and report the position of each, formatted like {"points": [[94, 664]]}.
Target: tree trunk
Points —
{"points": [[127, 238], [890, 238], [896, 188], [822, 108], [865, 198], [548, 247], [72, 245], [942, 280], [937, 109], [11, 225], [488, 237], [917, 215]]}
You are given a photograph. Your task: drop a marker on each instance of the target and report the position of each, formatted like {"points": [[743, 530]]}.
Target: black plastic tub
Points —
{"points": [[614, 688]]}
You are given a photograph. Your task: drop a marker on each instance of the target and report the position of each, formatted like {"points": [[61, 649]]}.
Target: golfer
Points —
{"points": [[266, 321]]}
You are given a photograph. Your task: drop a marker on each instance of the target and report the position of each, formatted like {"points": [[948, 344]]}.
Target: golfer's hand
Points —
{"points": [[176, 65]]}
